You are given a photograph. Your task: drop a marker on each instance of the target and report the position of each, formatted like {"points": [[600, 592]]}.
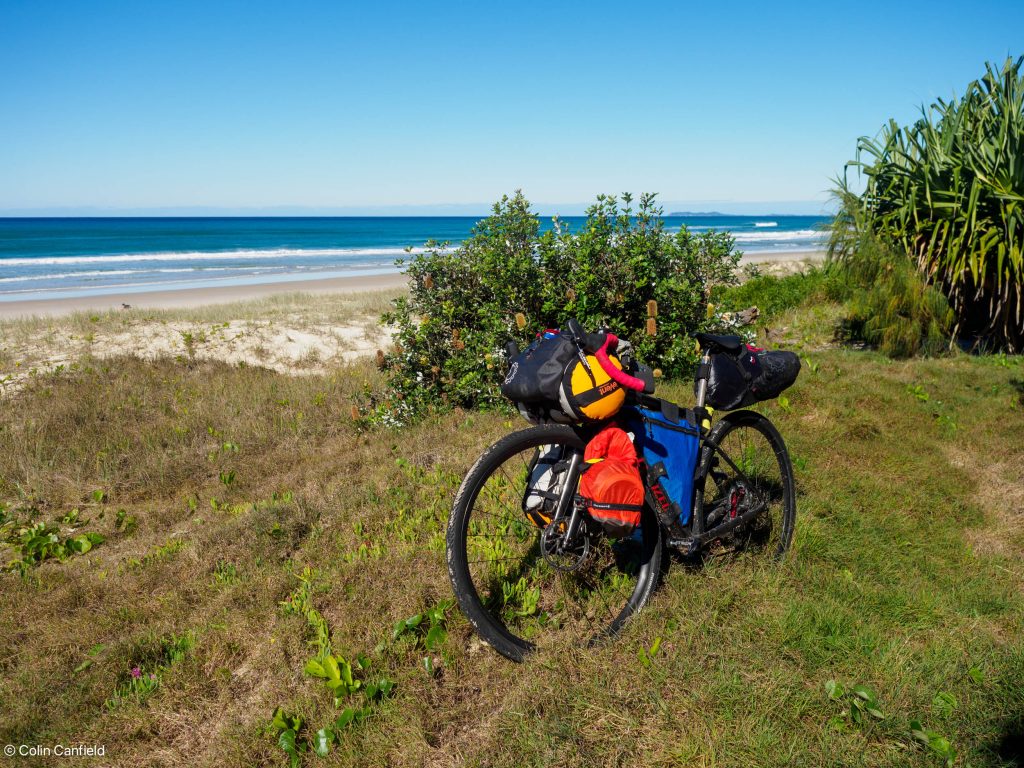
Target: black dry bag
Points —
{"points": [[748, 376]]}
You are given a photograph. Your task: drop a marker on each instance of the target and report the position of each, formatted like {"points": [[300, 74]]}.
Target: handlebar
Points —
{"points": [[617, 375], [599, 344]]}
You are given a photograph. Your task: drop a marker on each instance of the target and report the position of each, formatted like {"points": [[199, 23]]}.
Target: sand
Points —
{"points": [[196, 297]]}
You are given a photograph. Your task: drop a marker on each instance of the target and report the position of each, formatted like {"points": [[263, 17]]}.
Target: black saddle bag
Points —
{"points": [[749, 376]]}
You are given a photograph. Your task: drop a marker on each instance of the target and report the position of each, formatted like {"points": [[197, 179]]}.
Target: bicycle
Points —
{"points": [[525, 583]]}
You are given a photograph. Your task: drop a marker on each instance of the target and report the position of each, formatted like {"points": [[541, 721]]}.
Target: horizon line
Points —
{"points": [[438, 210]]}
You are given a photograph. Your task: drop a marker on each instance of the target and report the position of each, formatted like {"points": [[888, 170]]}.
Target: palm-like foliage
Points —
{"points": [[949, 192]]}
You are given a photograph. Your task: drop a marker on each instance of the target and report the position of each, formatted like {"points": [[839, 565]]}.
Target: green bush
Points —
{"points": [[773, 295], [948, 191], [892, 306], [464, 302]]}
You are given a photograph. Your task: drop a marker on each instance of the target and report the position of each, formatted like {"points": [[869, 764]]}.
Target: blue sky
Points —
{"points": [[423, 108]]}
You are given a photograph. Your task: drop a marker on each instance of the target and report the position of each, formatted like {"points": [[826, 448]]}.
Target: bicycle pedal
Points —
{"points": [[686, 546]]}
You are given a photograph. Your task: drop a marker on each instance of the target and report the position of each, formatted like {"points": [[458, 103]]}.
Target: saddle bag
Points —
{"points": [[610, 483], [749, 376], [667, 440]]}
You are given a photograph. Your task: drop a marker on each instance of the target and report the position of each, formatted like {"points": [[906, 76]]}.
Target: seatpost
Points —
{"points": [[702, 379], [703, 371]]}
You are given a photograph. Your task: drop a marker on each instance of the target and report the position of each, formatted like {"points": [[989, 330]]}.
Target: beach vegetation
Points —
{"points": [[935, 241], [908, 587], [509, 281]]}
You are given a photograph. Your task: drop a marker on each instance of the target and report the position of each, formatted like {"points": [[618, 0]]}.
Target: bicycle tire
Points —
{"points": [[731, 424], [488, 622]]}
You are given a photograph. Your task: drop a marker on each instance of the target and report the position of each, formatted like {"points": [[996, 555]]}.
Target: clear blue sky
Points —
{"points": [[373, 106]]}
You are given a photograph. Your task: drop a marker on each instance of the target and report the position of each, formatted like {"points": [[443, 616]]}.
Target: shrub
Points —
{"points": [[773, 294], [892, 306], [510, 280], [948, 191]]}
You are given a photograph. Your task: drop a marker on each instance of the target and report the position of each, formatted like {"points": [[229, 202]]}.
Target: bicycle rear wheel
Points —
{"points": [[514, 596], [745, 465]]}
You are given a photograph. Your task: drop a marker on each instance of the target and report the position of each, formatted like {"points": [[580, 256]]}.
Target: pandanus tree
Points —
{"points": [[948, 193]]}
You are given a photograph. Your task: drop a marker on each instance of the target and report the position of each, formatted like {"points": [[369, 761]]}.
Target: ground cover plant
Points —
{"points": [[943, 206], [903, 597]]}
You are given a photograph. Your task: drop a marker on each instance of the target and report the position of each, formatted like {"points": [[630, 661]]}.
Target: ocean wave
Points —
{"points": [[800, 234], [115, 273], [270, 253], [766, 223]]}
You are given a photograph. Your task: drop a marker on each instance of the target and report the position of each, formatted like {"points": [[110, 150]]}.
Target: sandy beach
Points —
{"points": [[196, 297]]}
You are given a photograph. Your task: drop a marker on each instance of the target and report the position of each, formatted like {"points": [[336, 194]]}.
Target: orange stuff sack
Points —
{"points": [[610, 484]]}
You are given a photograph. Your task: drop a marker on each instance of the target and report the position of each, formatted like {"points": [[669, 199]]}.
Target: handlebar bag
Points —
{"points": [[668, 441], [750, 376], [535, 374], [610, 483]]}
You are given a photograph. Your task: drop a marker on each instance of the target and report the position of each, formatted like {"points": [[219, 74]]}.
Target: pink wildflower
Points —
{"points": [[136, 672]]}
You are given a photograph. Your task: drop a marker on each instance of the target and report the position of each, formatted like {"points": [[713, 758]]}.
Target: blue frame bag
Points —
{"points": [[668, 442]]}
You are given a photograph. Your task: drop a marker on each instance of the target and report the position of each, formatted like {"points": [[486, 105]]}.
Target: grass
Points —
{"points": [[905, 578]]}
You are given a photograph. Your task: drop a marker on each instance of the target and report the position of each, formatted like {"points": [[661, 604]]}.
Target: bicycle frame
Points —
{"points": [[693, 536]]}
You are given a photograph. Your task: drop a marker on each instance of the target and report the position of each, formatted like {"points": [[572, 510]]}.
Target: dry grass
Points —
{"points": [[887, 585], [294, 332]]}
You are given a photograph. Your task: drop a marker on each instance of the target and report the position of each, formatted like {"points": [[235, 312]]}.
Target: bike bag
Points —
{"points": [[667, 440], [546, 476], [535, 374], [749, 376], [552, 381], [610, 483]]}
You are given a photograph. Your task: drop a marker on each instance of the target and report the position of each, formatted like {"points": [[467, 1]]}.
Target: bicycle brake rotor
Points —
{"points": [[560, 555]]}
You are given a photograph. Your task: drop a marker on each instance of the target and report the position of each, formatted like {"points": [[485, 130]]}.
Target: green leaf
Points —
{"points": [[322, 741], [863, 692], [83, 666], [293, 748], [976, 675], [436, 637], [331, 669], [834, 690], [315, 669], [945, 703], [345, 718]]}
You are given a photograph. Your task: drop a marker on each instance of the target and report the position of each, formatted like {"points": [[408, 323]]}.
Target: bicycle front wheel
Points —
{"points": [[745, 467], [516, 597]]}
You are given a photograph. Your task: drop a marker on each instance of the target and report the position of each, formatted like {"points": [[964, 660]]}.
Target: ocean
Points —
{"points": [[50, 258]]}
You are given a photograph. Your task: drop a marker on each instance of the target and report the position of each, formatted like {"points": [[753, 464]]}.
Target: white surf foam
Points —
{"points": [[800, 234], [271, 253]]}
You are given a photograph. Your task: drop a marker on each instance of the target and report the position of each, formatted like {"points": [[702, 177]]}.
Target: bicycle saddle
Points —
{"points": [[714, 342]]}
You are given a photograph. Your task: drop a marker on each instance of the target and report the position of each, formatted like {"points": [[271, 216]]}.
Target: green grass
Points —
{"points": [[905, 577]]}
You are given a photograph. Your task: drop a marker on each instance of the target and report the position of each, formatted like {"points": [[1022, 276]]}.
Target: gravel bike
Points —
{"points": [[525, 585]]}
